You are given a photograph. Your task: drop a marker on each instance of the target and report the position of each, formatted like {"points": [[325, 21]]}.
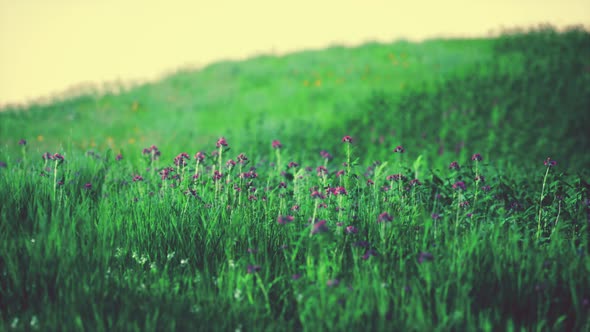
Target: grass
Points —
{"points": [[287, 223]]}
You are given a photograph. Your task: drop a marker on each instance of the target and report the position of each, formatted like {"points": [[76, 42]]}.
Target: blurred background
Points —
{"points": [[52, 48]]}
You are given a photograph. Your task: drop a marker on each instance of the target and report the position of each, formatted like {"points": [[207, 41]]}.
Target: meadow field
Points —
{"points": [[434, 186]]}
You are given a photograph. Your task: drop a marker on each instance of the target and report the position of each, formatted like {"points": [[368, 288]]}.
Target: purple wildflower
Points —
{"points": [[435, 216], [351, 230], [22, 141], [459, 185], [399, 149], [368, 253], [137, 178], [333, 282], [476, 157], [454, 165], [199, 156], [221, 142], [325, 155], [88, 186], [283, 220], [181, 159], [47, 156], [319, 227], [550, 163], [119, 157], [347, 139], [242, 159], [296, 276], [425, 257], [293, 164], [384, 217], [276, 144], [253, 269], [2, 164]]}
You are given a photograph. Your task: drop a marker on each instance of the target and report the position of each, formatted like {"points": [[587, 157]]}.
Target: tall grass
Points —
{"points": [[440, 211]]}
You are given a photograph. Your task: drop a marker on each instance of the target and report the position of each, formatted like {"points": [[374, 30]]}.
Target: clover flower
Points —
{"points": [[276, 144], [347, 139]]}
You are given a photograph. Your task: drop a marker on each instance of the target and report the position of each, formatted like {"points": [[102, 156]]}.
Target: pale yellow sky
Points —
{"points": [[48, 46]]}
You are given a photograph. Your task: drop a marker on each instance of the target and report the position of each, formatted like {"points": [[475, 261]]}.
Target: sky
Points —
{"points": [[48, 47]]}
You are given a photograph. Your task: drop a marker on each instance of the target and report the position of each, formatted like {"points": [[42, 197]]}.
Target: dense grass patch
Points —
{"points": [[460, 201]]}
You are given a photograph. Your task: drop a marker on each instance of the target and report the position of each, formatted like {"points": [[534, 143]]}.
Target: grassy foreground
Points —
{"points": [[233, 198]]}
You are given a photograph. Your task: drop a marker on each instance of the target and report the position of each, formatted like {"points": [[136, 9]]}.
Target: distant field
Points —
{"points": [[438, 186]]}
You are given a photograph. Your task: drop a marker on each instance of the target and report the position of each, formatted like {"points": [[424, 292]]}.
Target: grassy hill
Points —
{"points": [[460, 200]]}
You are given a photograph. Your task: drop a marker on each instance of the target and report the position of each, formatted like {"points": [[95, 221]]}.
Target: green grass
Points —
{"points": [[142, 243]]}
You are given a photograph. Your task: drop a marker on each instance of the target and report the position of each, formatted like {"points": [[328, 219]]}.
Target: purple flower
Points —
{"points": [[399, 149], [480, 178], [347, 139], [253, 269], [459, 185], [425, 257], [137, 178], [361, 244], [485, 188], [317, 194], [384, 217], [22, 142], [293, 164], [435, 216], [295, 208], [296, 276], [181, 159], [242, 159], [396, 177], [321, 170], [165, 173], [454, 165], [88, 186], [368, 253], [152, 152], [230, 163], [199, 156], [221, 142], [325, 155], [2, 164], [283, 220], [119, 157], [276, 144], [415, 182], [319, 227], [550, 163], [333, 282], [351, 230], [476, 157]]}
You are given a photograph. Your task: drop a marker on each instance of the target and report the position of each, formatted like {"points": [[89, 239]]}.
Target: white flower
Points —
{"points": [[119, 252], [33, 240], [238, 294], [184, 261], [14, 323], [231, 263], [170, 255], [34, 322]]}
